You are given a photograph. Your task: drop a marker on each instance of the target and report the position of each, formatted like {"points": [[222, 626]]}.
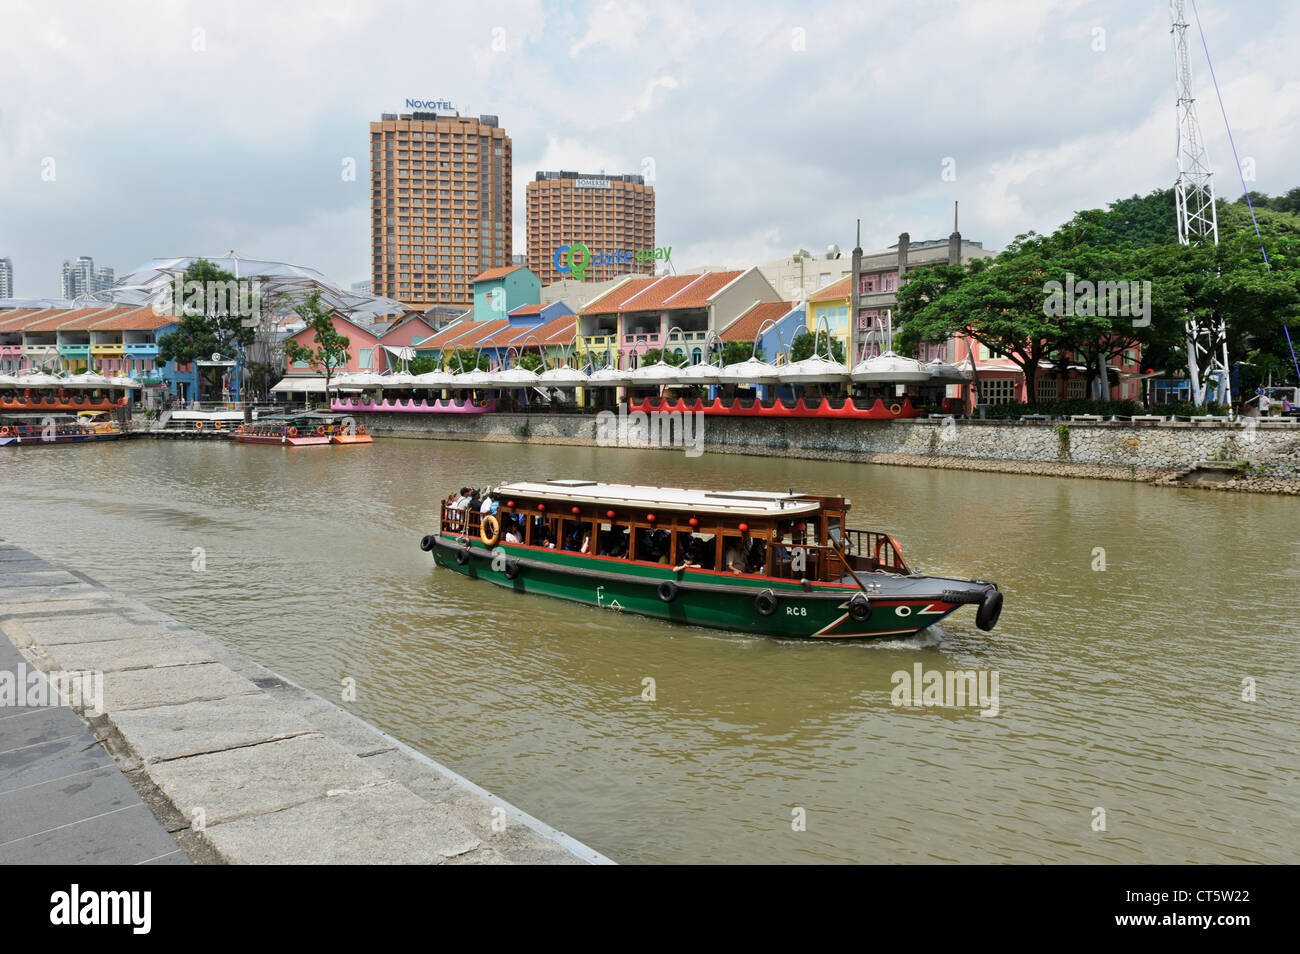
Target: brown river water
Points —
{"points": [[1118, 689]]}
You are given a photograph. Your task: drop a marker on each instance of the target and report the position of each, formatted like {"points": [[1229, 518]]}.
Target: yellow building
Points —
{"points": [[831, 303]]}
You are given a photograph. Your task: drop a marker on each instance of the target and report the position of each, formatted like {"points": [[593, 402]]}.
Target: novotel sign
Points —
{"points": [[428, 104], [593, 184]]}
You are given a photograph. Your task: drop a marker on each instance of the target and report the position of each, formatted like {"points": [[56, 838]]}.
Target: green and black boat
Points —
{"points": [[776, 564]]}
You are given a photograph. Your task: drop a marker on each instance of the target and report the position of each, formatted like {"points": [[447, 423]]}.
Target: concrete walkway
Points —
{"points": [[238, 764]]}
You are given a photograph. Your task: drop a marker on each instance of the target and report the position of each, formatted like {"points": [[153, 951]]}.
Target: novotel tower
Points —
{"points": [[607, 214], [440, 204]]}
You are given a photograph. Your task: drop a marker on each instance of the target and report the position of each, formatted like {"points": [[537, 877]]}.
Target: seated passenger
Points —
{"points": [[733, 557], [690, 554]]}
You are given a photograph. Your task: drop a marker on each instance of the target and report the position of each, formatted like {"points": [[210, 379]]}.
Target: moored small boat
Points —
{"points": [[306, 429], [777, 564], [44, 430]]}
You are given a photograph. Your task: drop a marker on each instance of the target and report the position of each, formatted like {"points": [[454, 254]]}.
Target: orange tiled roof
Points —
{"points": [[558, 330], [484, 329], [13, 319], [611, 302], [654, 297], [450, 333], [840, 289], [746, 326], [492, 273], [698, 292], [528, 310], [67, 319], [139, 318]]}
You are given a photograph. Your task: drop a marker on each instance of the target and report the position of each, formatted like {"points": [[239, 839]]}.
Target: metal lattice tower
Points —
{"points": [[1198, 220]]}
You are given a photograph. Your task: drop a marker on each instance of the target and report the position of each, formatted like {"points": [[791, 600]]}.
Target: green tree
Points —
{"points": [[209, 320], [468, 359], [806, 342], [331, 351], [668, 356], [423, 364], [734, 352], [530, 361]]}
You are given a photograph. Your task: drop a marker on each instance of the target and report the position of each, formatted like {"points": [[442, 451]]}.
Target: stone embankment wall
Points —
{"points": [[1084, 449]]}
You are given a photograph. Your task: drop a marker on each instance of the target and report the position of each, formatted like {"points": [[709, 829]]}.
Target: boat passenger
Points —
{"points": [[512, 530], [733, 557], [690, 554]]}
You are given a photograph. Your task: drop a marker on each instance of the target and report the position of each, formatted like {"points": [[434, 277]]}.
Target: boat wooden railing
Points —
{"points": [[872, 550]]}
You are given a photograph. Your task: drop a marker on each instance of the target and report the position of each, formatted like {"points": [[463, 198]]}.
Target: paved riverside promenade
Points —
{"points": [[192, 752]]}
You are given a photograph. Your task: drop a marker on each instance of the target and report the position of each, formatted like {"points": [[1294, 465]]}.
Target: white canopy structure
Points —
{"points": [[122, 381], [513, 378], [697, 374], [281, 285], [889, 367], [38, 380], [654, 375], [943, 371], [750, 371], [563, 377], [435, 379], [86, 379], [472, 379], [608, 378], [814, 370]]}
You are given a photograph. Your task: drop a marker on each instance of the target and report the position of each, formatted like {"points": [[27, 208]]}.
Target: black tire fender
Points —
{"points": [[462, 555], [765, 603], [860, 608], [511, 569], [667, 591], [986, 617], [426, 542]]}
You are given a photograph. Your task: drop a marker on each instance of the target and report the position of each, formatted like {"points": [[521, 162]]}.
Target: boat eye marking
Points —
{"points": [[903, 610]]}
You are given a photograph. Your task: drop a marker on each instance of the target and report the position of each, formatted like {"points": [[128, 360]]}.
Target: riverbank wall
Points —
{"points": [[1265, 455], [240, 764]]}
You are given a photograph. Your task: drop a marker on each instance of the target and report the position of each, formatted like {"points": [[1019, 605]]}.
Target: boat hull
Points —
{"points": [[284, 440], [352, 439], [697, 597]]}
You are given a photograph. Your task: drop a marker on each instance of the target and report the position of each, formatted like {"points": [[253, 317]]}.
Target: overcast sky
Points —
{"points": [[131, 131]]}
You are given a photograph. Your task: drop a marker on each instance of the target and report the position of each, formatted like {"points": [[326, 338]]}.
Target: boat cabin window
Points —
{"points": [[652, 546], [612, 540]]}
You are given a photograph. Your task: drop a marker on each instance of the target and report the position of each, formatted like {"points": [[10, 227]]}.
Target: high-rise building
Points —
{"points": [[440, 205], [613, 216], [6, 278], [83, 278]]}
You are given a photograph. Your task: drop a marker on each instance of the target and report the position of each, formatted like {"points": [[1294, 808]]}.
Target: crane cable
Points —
{"points": [[1250, 205]]}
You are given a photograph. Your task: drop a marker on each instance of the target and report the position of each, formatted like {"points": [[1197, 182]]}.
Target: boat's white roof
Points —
{"points": [[752, 503]]}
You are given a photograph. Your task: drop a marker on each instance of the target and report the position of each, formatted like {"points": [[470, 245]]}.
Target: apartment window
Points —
{"points": [[1074, 389], [1046, 388], [368, 356]]}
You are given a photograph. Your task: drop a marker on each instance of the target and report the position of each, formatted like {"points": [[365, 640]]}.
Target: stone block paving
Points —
{"points": [[235, 763]]}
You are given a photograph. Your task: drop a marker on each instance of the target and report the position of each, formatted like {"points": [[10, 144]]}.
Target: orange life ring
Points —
{"points": [[320, 429], [361, 429], [216, 425], [293, 432], [4, 432], [490, 530], [198, 425], [895, 409]]}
